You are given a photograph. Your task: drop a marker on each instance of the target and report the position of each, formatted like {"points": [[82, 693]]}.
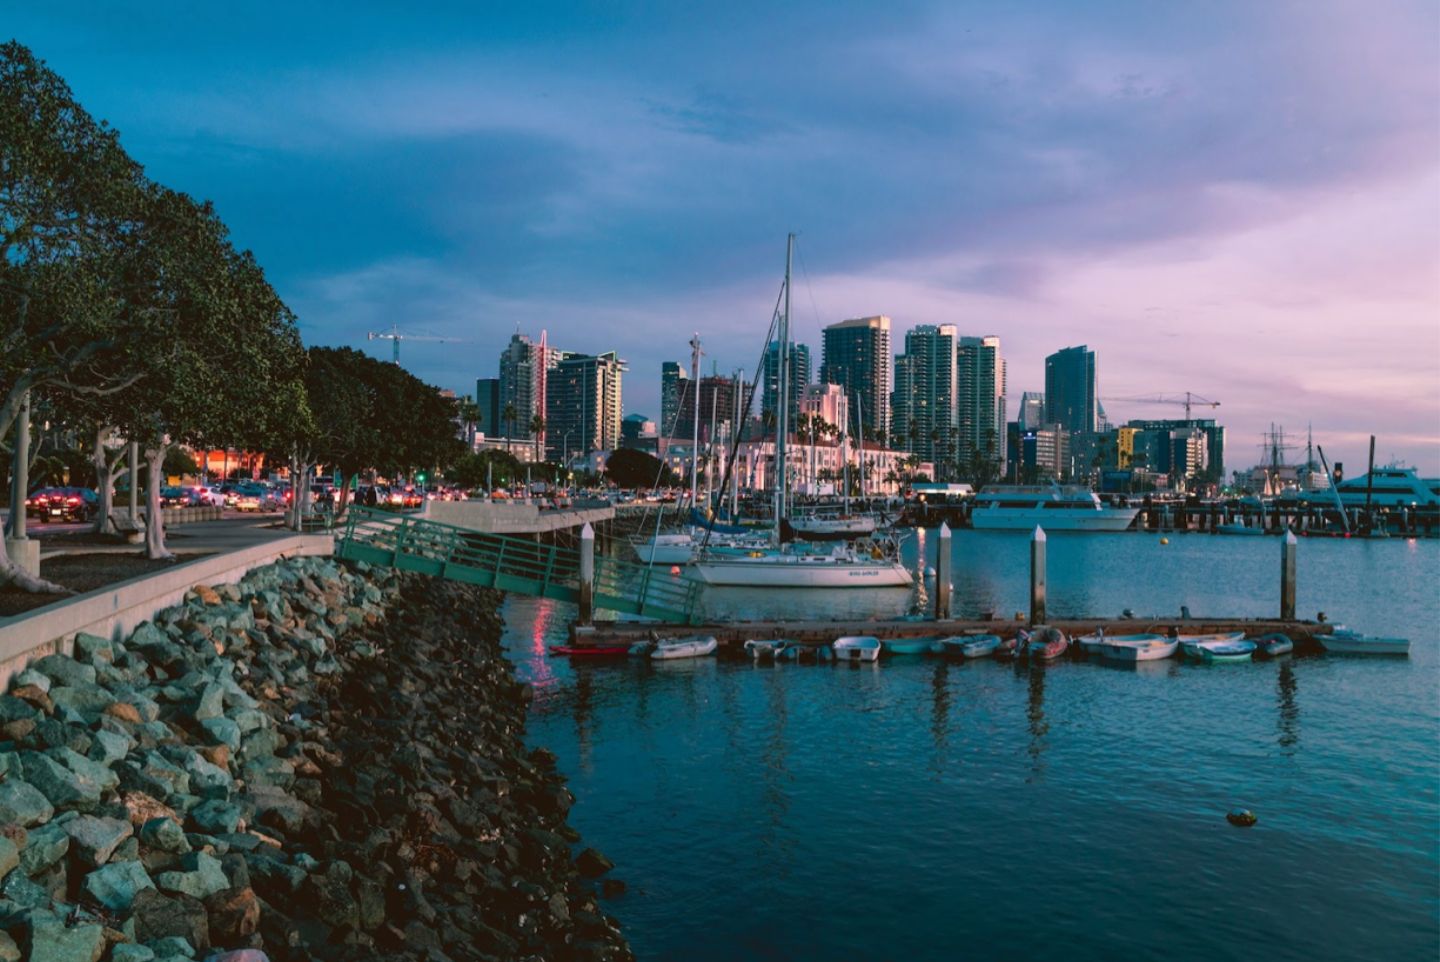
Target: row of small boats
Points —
{"points": [[1042, 644]]}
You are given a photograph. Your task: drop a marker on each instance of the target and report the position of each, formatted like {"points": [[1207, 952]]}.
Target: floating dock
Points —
{"points": [[818, 633]]}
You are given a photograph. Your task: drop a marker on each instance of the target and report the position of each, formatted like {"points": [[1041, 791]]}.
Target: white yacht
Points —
{"points": [[1021, 507], [1390, 487]]}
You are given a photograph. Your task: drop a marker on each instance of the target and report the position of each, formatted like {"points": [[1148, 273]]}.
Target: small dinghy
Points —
{"points": [[857, 648], [1343, 641], [907, 646], [766, 649], [1046, 644], [695, 647], [1012, 647], [967, 646], [1272, 645], [1220, 650], [1095, 644], [1134, 648], [590, 651], [806, 653]]}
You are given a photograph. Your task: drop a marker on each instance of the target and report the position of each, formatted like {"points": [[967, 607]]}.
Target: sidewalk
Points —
{"points": [[201, 537]]}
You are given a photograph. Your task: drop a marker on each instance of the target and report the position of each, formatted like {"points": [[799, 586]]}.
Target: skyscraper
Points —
{"points": [[923, 417], [980, 374], [1032, 410], [799, 379], [856, 356], [487, 399], [672, 387], [583, 400], [717, 404], [1070, 389], [524, 367]]}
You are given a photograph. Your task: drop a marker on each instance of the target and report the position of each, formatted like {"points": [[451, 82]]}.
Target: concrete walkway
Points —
{"points": [[201, 537]]}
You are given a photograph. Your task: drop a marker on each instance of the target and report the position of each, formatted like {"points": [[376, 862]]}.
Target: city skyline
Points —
{"points": [[1236, 200]]}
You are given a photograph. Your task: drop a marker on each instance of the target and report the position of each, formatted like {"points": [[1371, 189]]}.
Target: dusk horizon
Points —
{"points": [[1240, 202]]}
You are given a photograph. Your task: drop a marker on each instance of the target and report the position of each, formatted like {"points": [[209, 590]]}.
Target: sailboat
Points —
{"points": [[865, 563]]}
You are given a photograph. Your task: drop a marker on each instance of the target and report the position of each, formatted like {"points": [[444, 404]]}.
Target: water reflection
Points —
{"points": [[775, 774], [583, 703], [1289, 721], [940, 714], [1035, 714]]}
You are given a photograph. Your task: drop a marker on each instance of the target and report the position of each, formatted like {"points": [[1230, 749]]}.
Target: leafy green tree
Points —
{"points": [[629, 468]]}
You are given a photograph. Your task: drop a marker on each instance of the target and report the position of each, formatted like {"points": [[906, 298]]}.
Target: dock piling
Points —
{"points": [[1037, 576], [942, 574], [587, 574], [1288, 547]]}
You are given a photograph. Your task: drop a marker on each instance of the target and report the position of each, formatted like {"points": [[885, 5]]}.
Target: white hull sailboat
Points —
{"points": [[789, 566]]}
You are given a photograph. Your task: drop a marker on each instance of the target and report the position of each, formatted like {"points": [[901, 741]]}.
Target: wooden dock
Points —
{"points": [[734, 634]]}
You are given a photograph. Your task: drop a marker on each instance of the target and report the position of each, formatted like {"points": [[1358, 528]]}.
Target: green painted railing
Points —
{"points": [[509, 563]]}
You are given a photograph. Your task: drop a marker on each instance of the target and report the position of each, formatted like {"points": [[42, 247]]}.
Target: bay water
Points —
{"points": [[920, 809]]}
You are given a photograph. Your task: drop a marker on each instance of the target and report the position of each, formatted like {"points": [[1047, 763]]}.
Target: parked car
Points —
{"points": [[177, 496], [62, 504], [211, 495], [254, 497]]}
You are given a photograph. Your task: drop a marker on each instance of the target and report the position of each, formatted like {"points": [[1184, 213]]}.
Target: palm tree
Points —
{"points": [[537, 429], [469, 414], [508, 415]]}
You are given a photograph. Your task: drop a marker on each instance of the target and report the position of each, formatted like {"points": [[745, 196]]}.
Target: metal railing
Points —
{"points": [[512, 564]]}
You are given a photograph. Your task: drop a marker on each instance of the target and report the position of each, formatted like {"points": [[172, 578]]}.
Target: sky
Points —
{"points": [[1237, 199]]}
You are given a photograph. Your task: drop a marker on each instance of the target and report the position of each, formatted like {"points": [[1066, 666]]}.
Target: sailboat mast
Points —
{"points": [[695, 436], [782, 392], [738, 380]]}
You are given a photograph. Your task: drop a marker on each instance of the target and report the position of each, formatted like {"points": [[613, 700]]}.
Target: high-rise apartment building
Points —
{"points": [[524, 368], [856, 355], [717, 405], [922, 415], [980, 407], [487, 399], [583, 399], [799, 379], [1070, 389], [673, 384]]}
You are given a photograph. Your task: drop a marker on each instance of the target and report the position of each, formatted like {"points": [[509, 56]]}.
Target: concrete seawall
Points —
{"points": [[115, 610]]}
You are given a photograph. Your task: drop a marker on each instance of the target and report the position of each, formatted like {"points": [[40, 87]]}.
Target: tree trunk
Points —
{"points": [[104, 481], [155, 548], [303, 496], [344, 494]]}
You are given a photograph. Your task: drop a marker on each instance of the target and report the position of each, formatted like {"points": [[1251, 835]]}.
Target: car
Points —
{"points": [[177, 496], [211, 495], [254, 497], [62, 504]]}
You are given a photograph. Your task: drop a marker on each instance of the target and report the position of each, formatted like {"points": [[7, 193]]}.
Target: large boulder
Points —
{"points": [[23, 803], [51, 940], [64, 670], [159, 916], [93, 840], [115, 885], [200, 876]]}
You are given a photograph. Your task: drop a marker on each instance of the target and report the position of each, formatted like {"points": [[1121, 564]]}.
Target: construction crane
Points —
{"points": [[1188, 400], [395, 337]]}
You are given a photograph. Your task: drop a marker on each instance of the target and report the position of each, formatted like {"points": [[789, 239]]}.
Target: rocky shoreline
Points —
{"points": [[320, 762]]}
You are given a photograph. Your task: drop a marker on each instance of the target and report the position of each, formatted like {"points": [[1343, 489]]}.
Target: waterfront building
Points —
{"points": [[980, 405], [524, 369], [1031, 413], [923, 417], [799, 380], [1070, 389], [717, 395], [1044, 454], [813, 466], [487, 399], [673, 384], [583, 397], [855, 354], [829, 403], [1168, 446]]}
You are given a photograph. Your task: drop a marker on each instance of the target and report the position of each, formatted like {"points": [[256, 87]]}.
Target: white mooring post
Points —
{"points": [[942, 573], [1288, 547], [1037, 576], [587, 574]]}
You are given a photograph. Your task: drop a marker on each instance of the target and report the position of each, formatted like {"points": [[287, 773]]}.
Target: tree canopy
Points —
{"points": [[628, 468]]}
